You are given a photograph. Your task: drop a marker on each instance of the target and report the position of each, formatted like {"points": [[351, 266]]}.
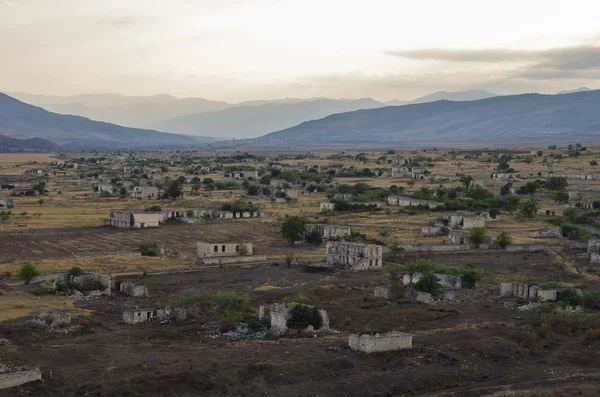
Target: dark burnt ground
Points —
{"points": [[474, 347]]}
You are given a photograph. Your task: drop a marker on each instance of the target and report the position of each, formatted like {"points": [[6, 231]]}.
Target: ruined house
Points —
{"points": [[127, 219], [529, 292], [144, 192], [403, 201], [327, 231], [476, 183], [7, 204], [371, 343], [103, 188], [327, 206], [555, 232], [138, 316], [280, 313], [594, 251], [458, 237], [354, 256], [135, 290], [226, 253], [462, 220]]}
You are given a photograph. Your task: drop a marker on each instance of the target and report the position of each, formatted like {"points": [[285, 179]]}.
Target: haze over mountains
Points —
{"points": [[21, 121], [202, 117], [507, 120]]}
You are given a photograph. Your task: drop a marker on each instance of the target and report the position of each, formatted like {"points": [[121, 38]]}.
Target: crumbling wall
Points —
{"points": [[445, 280], [390, 341], [525, 291], [18, 378], [525, 248], [135, 290], [81, 255], [228, 260], [437, 248], [382, 292], [555, 232], [280, 313]]}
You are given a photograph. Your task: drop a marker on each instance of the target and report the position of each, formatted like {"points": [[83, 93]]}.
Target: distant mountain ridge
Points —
{"points": [[511, 119], [22, 121], [32, 144], [253, 121]]}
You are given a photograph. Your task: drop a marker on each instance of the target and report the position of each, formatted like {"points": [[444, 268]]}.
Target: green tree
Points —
{"points": [[529, 208], [504, 240], [556, 183], [478, 235], [293, 228], [27, 271], [174, 190], [76, 271], [559, 196], [40, 202]]}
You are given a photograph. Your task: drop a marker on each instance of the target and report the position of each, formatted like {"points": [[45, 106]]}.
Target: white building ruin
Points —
{"points": [[372, 343], [355, 256]]}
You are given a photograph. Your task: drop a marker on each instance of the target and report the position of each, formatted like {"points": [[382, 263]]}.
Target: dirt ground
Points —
{"points": [[474, 347]]}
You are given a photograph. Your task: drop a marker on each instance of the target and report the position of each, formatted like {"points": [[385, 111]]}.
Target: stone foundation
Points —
{"points": [[18, 378], [389, 341], [229, 260]]}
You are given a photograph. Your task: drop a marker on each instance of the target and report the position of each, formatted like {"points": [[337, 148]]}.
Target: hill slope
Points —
{"points": [[33, 144], [515, 119], [20, 120], [252, 121]]}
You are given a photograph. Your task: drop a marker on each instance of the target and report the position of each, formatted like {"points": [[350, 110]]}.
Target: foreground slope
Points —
{"points": [[528, 118], [22, 121]]}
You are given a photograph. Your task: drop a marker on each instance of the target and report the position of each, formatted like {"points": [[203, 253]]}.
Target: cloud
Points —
{"points": [[575, 62]]}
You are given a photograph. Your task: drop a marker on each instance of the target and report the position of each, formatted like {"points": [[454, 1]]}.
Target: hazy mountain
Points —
{"points": [[580, 89], [252, 121], [20, 120], [529, 118], [33, 144], [470, 95], [89, 100]]}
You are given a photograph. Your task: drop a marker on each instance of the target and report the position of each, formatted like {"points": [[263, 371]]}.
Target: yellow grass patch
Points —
{"points": [[19, 304]]}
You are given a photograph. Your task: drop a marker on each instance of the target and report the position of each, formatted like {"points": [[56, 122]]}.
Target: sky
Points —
{"points": [[236, 50]]}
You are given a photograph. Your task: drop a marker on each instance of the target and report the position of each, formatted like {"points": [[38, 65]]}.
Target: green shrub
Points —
{"points": [[504, 239], [149, 249], [397, 291], [544, 284], [591, 300], [314, 238], [302, 316], [27, 271], [76, 271], [154, 208], [397, 249], [232, 302], [470, 277], [570, 297], [429, 283]]}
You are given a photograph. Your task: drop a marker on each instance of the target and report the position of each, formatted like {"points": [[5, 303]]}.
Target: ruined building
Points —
{"points": [[461, 220], [354, 256], [280, 313], [327, 231], [127, 219], [226, 253], [403, 201]]}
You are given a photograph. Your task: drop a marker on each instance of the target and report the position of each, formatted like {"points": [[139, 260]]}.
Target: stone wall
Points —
{"points": [[328, 231], [445, 280], [82, 255], [228, 260], [428, 231], [18, 378], [382, 292], [525, 248], [530, 292], [214, 250], [437, 248], [280, 313], [555, 232], [135, 290], [389, 341]]}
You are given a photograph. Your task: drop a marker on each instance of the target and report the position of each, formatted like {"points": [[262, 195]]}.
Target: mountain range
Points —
{"points": [[21, 121], [507, 120], [197, 116]]}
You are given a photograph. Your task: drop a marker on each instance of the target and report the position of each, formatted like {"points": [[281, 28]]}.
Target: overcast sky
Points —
{"points": [[238, 50]]}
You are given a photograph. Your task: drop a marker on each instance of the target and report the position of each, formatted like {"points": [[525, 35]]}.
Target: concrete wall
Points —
{"points": [[525, 248], [389, 341], [228, 260], [15, 379], [403, 201]]}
